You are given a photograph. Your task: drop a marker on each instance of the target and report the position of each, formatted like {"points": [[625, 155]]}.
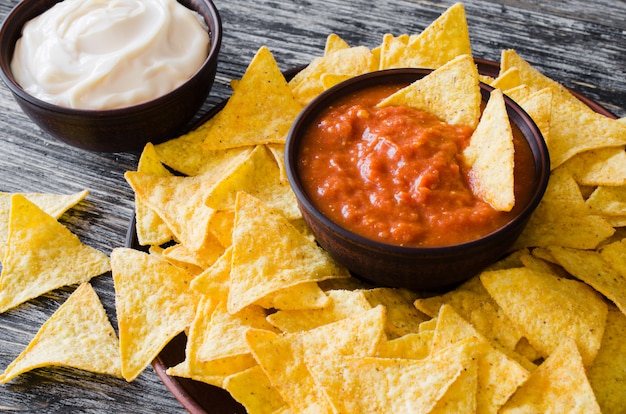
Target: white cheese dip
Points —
{"points": [[106, 54]]}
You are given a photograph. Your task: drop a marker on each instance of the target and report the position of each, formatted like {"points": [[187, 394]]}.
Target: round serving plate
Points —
{"points": [[201, 398]]}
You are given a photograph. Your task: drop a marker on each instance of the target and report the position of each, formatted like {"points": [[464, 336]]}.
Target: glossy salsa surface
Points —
{"points": [[397, 175]]}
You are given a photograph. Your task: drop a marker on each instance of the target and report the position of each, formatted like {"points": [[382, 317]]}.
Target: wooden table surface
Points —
{"points": [[581, 43]]}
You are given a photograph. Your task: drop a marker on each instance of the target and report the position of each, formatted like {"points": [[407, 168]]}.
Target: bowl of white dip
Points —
{"points": [[111, 76]]}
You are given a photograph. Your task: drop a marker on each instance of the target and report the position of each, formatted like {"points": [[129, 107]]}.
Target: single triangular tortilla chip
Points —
{"points": [[350, 62], [507, 79], [53, 204], [43, 255], [150, 228], [260, 110], [258, 175], [451, 93], [78, 335], [333, 43], [602, 166], [154, 304], [252, 389], [491, 156], [607, 375], [590, 267], [270, 254], [388, 385], [559, 385], [444, 39], [548, 308]]}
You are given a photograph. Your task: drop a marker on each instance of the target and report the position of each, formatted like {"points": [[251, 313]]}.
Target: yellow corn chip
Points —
{"points": [[450, 92], [443, 40], [224, 335], [179, 201], [260, 110], [150, 228], [461, 395], [269, 255], [409, 346], [392, 50], [258, 175], [252, 389], [154, 304], [306, 295], [507, 79], [342, 304], [402, 316], [607, 375], [590, 267], [608, 200], [278, 151], [179, 255], [559, 385], [491, 156], [77, 335], [499, 375], [353, 61], [614, 254], [334, 43], [214, 282], [539, 106], [472, 301], [388, 385], [283, 357], [53, 204], [43, 255], [603, 166], [563, 219], [547, 308]]}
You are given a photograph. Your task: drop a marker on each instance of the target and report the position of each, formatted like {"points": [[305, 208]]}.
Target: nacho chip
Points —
{"points": [[461, 395], [507, 79], [443, 40], [252, 389], [590, 267], [79, 335], [150, 228], [53, 204], [153, 303], [491, 156], [410, 346], [607, 375], [547, 308], [559, 385], [214, 282], [260, 110], [539, 106], [352, 61], [283, 357], [258, 175], [43, 255], [388, 385], [608, 200], [450, 92], [600, 167], [499, 375], [342, 304], [301, 296], [402, 317], [179, 201], [472, 301], [269, 255], [334, 43]]}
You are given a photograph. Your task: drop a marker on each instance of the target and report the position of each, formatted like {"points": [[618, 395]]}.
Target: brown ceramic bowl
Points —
{"points": [[114, 130], [418, 268]]}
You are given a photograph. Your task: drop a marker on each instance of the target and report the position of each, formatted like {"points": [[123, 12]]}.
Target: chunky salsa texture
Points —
{"points": [[397, 175]]}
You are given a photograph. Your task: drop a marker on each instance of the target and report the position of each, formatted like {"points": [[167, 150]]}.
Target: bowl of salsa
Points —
{"points": [[386, 190]]}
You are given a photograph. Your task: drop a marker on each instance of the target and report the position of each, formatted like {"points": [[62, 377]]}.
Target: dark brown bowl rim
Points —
{"points": [[536, 142], [214, 27]]}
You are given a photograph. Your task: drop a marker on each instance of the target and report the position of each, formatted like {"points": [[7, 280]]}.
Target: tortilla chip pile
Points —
{"points": [[271, 318]]}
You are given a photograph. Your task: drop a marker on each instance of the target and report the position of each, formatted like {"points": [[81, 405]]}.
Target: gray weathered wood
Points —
{"points": [[581, 43]]}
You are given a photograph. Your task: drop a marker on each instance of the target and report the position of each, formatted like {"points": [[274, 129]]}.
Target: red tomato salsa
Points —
{"points": [[394, 174]]}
